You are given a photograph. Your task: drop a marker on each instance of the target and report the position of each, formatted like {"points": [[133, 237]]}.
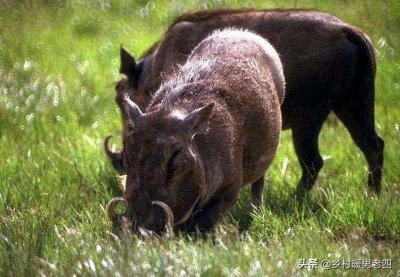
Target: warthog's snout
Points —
{"points": [[116, 218]]}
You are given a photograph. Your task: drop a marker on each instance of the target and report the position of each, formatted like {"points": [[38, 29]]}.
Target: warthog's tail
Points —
{"points": [[360, 39]]}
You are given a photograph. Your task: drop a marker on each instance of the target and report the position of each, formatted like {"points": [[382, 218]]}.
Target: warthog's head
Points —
{"points": [[165, 174], [134, 85]]}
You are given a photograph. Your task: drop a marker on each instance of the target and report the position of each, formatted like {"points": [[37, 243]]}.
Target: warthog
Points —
{"points": [[329, 65], [211, 128]]}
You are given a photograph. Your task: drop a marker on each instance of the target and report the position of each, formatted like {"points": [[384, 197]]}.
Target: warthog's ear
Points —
{"points": [[128, 63], [133, 110], [197, 121]]}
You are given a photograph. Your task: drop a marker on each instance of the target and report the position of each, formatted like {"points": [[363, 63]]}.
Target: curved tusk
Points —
{"points": [[168, 212], [189, 213], [115, 157], [112, 215], [111, 154]]}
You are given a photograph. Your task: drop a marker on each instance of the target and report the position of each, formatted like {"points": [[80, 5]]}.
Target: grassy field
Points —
{"points": [[58, 64]]}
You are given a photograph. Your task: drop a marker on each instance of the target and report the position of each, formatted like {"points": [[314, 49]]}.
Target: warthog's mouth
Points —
{"points": [[169, 215], [116, 218]]}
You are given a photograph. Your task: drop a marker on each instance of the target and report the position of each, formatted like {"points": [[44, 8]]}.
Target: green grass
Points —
{"points": [[58, 64]]}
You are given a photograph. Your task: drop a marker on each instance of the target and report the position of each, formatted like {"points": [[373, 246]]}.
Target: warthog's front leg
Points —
{"points": [[305, 138], [205, 220], [257, 192]]}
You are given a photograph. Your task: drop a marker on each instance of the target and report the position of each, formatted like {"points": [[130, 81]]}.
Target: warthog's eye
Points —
{"points": [[170, 165]]}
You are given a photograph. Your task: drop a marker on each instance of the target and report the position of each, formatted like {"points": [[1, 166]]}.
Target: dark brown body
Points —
{"points": [[210, 129], [328, 64]]}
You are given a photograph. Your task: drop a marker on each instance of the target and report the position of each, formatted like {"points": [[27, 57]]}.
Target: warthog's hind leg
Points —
{"points": [[359, 120]]}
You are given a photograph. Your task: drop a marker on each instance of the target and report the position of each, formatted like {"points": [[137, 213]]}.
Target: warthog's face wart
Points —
{"points": [[162, 165]]}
